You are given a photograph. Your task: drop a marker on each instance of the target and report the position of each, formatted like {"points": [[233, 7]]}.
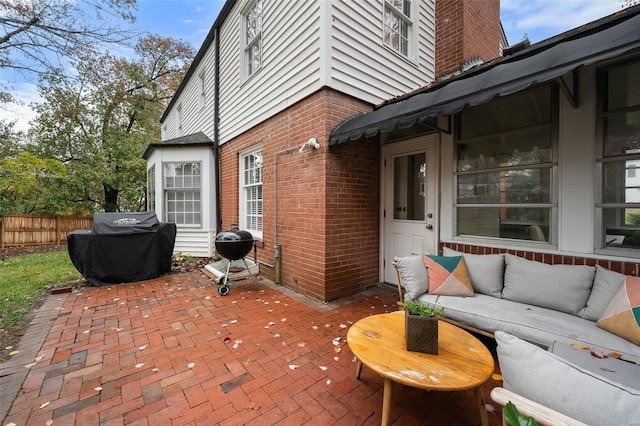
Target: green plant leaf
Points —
{"points": [[515, 418]]}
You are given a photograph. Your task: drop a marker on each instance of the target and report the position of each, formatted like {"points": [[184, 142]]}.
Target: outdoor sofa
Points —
{"points": [[566, 336]]}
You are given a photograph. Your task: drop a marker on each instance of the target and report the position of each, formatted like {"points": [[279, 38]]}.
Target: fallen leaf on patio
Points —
{"points": [[39, 358], [337, 350], [302, 344], [336, 358], [270, 323], [292, 366], [154, 369], [116, 299], [9, 348], [87, 331], [327, 325], [372, 334], [607, 369], [276, 335], [236, 344], [336, 341], [490, 408], [99, 388], [224, 325], [191, 365], [328, 382], [139, 365], [343, 326], [597, 354], [614, 355], [323, 368], [283, 320], [277, 301], [143, 347], [233, 321], [44, 404], [49, 422], [12, 353], [226, 340], [579, 346], [315, 327], [497, 377], [30, 365], [12, 424]]}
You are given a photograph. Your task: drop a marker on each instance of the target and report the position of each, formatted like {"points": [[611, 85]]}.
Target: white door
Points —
{"points": [[409, 197]]}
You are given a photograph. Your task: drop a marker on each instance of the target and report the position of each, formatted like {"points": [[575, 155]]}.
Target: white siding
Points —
{"points": [[290, 65], [363, 66], [306, 45]]}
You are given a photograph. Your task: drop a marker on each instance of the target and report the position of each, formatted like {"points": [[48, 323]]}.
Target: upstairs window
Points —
{"points": [[202, 94], [397, 25], [253, 37], [619, 124], [251, 192], [505, 167], [182, 186]]}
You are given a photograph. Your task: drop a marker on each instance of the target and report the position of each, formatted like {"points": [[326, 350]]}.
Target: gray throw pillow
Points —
{"points": [[605, 285], [486, 271], [413, 276], [564, 288], [547, 379]]}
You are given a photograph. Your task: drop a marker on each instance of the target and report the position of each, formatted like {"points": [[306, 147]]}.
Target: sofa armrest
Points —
{"points": [[543, 415], [400, 301]]}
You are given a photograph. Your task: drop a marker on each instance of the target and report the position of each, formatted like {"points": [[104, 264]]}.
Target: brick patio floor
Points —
{"points": [[171, 351]]}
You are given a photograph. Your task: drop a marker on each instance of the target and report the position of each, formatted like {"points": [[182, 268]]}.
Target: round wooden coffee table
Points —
{"points": [[463, 362]]}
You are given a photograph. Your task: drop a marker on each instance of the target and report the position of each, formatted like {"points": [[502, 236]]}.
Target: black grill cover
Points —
{"points": [[122, 247]]}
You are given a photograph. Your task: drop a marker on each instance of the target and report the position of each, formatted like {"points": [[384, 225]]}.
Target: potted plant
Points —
{"points": [[421, 326]]}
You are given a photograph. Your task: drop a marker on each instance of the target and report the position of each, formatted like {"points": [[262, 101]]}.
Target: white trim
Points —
{"points": [[242, 214]]}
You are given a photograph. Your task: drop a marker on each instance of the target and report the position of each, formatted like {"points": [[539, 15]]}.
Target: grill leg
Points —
{"points": [[255, 282]]}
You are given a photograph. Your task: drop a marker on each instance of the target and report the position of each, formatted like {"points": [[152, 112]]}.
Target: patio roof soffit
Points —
{"points": [[542, 62]]}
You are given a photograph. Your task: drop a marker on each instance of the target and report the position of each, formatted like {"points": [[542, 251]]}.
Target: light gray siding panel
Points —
{"points": [[290, 65], [363, 65]]}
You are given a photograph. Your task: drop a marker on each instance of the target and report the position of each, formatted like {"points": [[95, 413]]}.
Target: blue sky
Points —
{"points": [[191, 20]]}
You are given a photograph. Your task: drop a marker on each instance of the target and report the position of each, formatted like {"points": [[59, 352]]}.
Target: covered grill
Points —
{"points": [[233, 244], [122, 247]]}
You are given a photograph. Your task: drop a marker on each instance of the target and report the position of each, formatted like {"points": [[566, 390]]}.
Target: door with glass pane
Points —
{"points": [[410, 187]]}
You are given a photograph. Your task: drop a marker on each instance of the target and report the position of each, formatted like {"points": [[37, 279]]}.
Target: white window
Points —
{"points": [[251, 192], [619, 124], [397, 25], [182, 185], [151, 188], [505, 167], [252, 37], [202, 94]]}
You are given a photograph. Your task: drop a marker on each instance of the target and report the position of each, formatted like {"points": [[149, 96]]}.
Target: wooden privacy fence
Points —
{"points": [[39, 230]]}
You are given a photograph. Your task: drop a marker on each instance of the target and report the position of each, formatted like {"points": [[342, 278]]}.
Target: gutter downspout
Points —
{"points": [[216, 129]]}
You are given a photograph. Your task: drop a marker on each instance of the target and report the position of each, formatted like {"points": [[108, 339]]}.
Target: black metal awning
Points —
{"points": [[550, 59]]}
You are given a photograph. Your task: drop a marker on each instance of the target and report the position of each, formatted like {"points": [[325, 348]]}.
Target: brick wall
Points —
{"points": [[627, 268], [319, 194], [466, 29]]}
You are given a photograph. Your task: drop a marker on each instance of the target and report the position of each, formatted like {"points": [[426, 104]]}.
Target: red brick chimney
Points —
{"points": [[466, 31]]}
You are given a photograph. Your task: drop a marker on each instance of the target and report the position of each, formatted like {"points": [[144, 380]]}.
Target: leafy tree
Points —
{"points": [[29, 184], [99, 123], [38, 36]]}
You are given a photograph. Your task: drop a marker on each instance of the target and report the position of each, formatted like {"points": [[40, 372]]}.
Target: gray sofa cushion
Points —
{"points": [[605, 285], [564, 288], [562, 386], [532, 323], [413, 276], [485, 270]]}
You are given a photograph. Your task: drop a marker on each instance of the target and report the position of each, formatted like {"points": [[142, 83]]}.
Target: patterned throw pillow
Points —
{"points": [[622, 316], [448, 276]]}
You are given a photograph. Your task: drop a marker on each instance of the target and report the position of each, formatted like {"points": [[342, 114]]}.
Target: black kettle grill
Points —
{"points": [[233, 244]]}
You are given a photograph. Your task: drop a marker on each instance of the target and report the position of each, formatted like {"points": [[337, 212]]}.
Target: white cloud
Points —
{"points": [[541, 19], [20, 111]]}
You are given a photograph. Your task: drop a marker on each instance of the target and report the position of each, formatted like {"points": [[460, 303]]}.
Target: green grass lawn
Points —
{"points": [[24, 281]]}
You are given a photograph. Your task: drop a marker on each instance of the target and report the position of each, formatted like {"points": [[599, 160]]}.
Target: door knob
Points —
{"points": [[429, 226]]}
